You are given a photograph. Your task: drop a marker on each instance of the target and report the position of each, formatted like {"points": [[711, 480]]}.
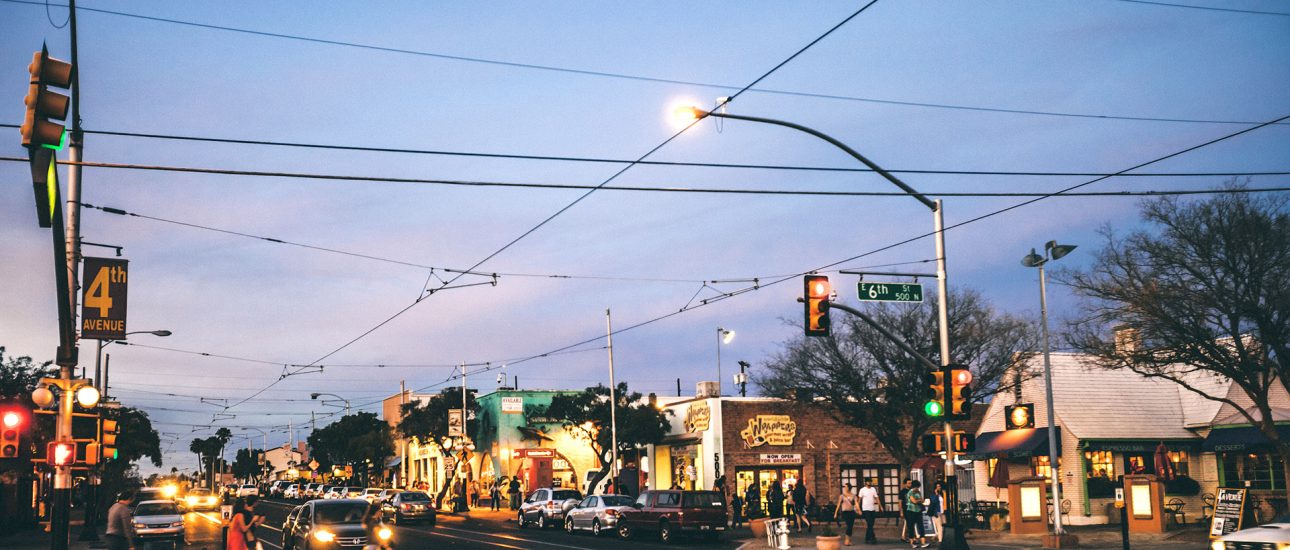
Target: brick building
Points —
{"points": [[759, 441]]}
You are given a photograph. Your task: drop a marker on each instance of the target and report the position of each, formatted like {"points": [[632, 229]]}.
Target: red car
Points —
{"points": [[673, 514]]}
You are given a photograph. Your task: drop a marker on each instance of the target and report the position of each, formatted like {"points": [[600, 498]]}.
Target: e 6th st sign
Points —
{"points": [[890, 292]]}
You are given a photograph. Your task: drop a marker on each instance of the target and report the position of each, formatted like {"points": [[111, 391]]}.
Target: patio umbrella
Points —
{"points": [[999, 479], [1164, 466]]}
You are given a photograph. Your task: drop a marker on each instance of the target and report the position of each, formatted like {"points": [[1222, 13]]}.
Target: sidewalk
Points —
{"points": [[36, 538], [888, 534]]}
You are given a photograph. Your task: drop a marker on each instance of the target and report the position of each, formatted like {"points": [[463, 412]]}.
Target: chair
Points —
{"points": [[1207, 506], [1174, 508]]}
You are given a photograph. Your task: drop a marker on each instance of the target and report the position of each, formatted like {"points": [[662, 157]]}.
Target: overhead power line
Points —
{"points": [[642, 78], [1207, 8], [603, 160]]}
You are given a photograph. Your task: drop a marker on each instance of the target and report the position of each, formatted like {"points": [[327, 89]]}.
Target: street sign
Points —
{"points": [[890, 292], [103, 301]]}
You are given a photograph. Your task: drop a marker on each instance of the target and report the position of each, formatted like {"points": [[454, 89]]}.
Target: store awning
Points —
{"points": [[393, 461], [928, 463], [1013, 443], [1141, 445], [1239, 439]]}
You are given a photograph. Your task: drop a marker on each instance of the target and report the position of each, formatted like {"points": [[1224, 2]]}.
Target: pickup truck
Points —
{"points": [[673, 514]]}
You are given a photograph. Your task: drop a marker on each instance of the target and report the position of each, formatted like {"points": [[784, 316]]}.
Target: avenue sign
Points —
{"points": [[103, 300], [890, 292]]}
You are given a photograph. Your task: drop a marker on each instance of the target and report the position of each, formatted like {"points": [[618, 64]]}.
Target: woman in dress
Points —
{"points": [[237, 527]]}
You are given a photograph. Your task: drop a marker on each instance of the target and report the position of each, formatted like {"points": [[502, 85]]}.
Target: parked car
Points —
{"points": [[247, 490], [675, 513], [353, 492], [311, 490], [277, 488], [370, 494], [328, 524], [1268, 535], [159, 519], [598, 514], [409, 506], [386, 494], [335, 492], [546, 507], [292, 491], [202, 499]]}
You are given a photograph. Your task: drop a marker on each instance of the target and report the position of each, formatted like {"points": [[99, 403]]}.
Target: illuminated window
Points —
{"points": [[1039, 465], [1180, 461], [1100, 464]]}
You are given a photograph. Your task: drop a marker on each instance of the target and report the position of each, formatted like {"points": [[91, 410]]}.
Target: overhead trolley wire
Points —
{"points": [[642, 78]]}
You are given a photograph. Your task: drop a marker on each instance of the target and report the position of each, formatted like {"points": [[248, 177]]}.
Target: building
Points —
{"points": [[286, 461], [415, 462], [513, 438]]}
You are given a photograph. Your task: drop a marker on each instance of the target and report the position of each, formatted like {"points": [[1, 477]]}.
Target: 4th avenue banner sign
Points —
{"points": [[103, 303]]}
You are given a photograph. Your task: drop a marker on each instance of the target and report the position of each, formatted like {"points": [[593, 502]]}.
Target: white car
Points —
{"points": [[248, 489], [337, 491], [292, 491], [1268, 535], [159, 519], [370, 494]]}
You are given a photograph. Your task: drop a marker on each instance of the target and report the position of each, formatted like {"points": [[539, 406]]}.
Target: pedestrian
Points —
{"points": [[495, 494], [904, 490], [752, 502], [474, 493], [847, 509], [802, 501], [251, 520], [736, 511], [513, 490], [775, 500], [913, 513], [790, 506], [936, 507], [870, 505], [120, 526]]}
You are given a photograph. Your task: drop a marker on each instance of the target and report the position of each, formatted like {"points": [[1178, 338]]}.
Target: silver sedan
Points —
{"points": [[598, 514]]}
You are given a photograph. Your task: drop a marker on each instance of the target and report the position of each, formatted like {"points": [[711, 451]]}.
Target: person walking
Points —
{"points": [[913, 513], [847, 509], [474, 494], [802, 501], [752, 502], [775, 500], [936, 508], [120, 526], [904, 490], [495, 494], [790, 507], [736, 510], [251, 520], [870, 505], [513, 490]]}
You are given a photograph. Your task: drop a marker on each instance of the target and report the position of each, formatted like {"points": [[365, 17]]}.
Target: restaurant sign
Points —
{"points": [[769, 429], [697, 417], [1229, 510], [781, 458]]}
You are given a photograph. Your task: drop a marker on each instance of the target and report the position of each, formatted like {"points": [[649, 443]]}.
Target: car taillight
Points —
{"points": [[611, 512], [405, 506], [552, 504]]}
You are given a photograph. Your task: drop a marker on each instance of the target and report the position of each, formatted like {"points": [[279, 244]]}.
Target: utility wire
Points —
{"points": [[1208, 8], [641, 78], [602, 160]]}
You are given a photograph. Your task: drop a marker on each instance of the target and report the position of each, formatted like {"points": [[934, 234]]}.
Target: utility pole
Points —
{"points": [[613, 404], [60, 521]]}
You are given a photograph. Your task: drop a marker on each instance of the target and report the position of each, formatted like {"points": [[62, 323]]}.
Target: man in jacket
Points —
{"points": [[120, 526]]}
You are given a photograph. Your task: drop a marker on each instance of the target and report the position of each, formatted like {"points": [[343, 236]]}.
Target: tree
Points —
{"points": [[209, 449], [428, 422], [355, 440], [870, 382], [19, 376], [246, 464], [137, 439], [1204, 294], [586, 415]]}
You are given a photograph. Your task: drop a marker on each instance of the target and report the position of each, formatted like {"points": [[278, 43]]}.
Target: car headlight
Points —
{"points": [[324, 536], [140, 526], [385, 533], [1283, 546], [1216, 545], [191, 500], [177, 524]]}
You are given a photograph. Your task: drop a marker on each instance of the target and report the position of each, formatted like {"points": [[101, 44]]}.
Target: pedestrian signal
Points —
{"points": [[60, 453]]}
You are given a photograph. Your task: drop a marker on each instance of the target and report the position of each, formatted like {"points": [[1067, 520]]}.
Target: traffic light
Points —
{"points": [[107, 438], [11, 422], [964, 442], [960, 391], [60, 453], [42, 104], [1018, 417], [935, 405], [817, 291]]}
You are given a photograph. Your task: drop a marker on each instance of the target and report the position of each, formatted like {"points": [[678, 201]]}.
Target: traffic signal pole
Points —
{"points": [[63, 474]]}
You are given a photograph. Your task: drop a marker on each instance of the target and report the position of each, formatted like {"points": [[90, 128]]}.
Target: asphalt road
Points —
{"points": [[480, 529]]}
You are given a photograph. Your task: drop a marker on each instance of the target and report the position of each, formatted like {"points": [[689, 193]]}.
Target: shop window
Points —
{"points": [[1039, 466], [1100, 464], [1180, 462], [1140, 463], [886, 479], [1258, 471]]}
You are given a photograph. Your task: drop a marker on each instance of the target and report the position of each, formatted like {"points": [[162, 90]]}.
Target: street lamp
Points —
{"points": [[100, 371], [954, 536], [723, 337], [1052, 251], [315, 396]]}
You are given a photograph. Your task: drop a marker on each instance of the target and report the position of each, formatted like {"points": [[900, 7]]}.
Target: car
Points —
{"points": [[277, 488], [1268, 535], [247, 490], [335, 492], [673, 514], [370, 494], [292, 491], [148, 493], [385, 494], [352, 492], [327, 525], [202, 499], [310, 490], [158, 519], [597, 513], [409, 506], [546, 507]]}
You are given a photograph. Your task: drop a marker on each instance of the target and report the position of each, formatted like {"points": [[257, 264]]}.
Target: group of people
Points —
{"points": [[914, 505]]}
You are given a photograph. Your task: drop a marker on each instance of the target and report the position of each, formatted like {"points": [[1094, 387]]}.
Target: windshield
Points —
{"points": [[156, 509], [199, 492], [566, 495], [248, 486], [415, 497], [340, 512], [616, 500], [701, 500]]}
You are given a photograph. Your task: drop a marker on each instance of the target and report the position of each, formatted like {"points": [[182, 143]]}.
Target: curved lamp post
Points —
{"points": [[723, 337], [100, 371], [315, 396], [1052, 251]]}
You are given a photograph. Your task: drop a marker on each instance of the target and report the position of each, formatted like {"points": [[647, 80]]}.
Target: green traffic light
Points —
{"points": [[934, 408]]}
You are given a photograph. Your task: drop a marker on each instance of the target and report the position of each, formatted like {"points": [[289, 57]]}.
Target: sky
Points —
{"points": [[1087, 87]]}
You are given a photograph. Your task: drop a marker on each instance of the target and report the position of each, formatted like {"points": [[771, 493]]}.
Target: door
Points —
{"points": [[763, 478], [886, 478]]}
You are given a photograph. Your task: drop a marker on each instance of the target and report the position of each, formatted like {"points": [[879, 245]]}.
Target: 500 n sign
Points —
{"points": [[890, 292], [104, 299]]}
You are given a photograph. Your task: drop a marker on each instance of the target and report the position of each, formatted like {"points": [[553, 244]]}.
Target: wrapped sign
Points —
{"points": [[1229, 509], [769, 429]]}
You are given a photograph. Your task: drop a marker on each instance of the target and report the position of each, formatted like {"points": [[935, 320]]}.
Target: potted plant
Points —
{"points": [[997, 519], [828, 539], [758, 526]]}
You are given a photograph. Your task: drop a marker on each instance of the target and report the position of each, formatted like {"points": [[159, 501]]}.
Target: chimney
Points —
{"points": [[1127, 339]]}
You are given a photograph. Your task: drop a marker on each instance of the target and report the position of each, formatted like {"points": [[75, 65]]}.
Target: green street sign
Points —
{"points": [[890, 292]]}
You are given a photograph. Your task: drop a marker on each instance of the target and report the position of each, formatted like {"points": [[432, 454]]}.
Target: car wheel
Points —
{"points": [[568, 525], [595, 527], [541, 523], [665, 533], [520, 520], [624, 532]]}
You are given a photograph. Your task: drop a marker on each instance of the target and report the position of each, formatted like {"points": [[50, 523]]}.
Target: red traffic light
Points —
{"points": [[962, 377], [12, 419], [817, 290]]}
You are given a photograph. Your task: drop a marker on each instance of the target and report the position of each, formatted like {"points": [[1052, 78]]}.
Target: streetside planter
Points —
{"points": [[828, 539], [758, 527]]}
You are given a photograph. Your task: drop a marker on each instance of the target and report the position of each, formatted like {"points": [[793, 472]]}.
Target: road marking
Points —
{"points": [[438, 531], [497, 544], [270, 527], [214, 520]]}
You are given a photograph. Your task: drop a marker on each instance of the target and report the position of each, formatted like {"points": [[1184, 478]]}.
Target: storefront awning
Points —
{"points": [[1013, 443], [1141, 446], [393, 461], [1239, 439]]}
